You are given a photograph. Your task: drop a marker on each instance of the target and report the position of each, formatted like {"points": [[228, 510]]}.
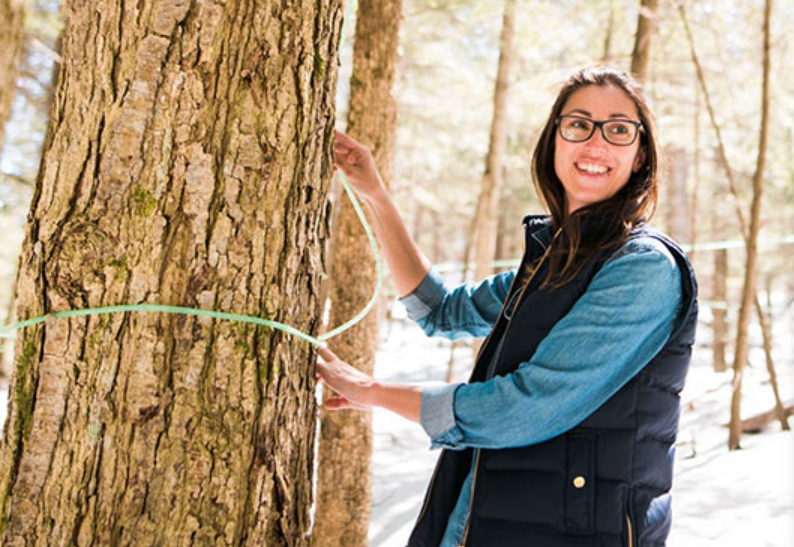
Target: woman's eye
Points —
{"points": [[579, 124], [619, 129]]}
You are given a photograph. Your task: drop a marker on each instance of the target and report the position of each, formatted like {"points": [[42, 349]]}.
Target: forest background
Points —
{"points": [[447, 62]]}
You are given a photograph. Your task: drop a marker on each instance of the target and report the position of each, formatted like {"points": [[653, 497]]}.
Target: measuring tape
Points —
{"points": [[8, 331]]}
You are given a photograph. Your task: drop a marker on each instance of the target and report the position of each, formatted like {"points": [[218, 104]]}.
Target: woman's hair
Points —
{"points": [[609, 222]]}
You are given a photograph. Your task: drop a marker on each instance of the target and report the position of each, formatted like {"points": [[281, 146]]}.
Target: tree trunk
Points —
{"points": [[487, 204], [187, 162], [766, 332], [748, 289], [6, 345], [646, 23], [344, 485], [677, 197], [606, 58], [719, 294], [12, 19], [694, 210]]}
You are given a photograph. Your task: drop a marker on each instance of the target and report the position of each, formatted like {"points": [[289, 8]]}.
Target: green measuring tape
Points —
{"points": [[7, 331]]}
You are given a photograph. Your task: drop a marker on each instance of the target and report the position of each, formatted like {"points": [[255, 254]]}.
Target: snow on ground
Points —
{"points": [[722, 499], [743, 498]]}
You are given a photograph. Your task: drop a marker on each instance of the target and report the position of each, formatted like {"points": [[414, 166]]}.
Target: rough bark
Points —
{"points": [[646, 24], [487, 204], [187, 162], [748, 288], [12, 19], [344, 485]]}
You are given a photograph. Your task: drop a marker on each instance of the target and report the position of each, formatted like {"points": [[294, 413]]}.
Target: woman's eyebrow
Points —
{"points": [[613, 115]]}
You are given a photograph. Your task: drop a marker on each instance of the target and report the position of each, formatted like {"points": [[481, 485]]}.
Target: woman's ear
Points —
{"points": [[639, 160]]}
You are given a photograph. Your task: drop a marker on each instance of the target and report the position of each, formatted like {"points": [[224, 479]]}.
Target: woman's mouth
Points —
{"points": [[592, 169]]}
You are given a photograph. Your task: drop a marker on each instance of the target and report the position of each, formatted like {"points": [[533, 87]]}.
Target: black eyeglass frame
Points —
{"points": [[639, 128]]}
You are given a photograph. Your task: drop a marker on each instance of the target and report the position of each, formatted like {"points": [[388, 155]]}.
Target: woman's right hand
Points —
{"points": [[356, 162]]}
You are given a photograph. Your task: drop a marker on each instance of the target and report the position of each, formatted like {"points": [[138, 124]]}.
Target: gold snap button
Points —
{"points": [[579, 482]]}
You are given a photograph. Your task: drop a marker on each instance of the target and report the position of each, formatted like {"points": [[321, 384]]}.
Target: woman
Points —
{"points": [[564, 434]]}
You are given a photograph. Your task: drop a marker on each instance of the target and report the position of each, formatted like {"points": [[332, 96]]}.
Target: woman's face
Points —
{"points": [[594, 170]]}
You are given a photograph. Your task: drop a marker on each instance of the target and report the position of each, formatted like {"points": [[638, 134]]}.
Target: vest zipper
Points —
{"points": [[515, 307], [430, 488], [631, 530]]}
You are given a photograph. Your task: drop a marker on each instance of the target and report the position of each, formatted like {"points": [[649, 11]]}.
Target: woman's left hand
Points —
{"points": [[353, 386]]}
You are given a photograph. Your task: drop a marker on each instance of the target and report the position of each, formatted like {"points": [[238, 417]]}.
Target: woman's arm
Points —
{"points": [[618, 325], [614, 330], [467, 310], [406, 263]]}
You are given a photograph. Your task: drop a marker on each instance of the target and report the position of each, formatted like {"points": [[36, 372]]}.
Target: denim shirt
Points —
{"points": [[618, 325]]}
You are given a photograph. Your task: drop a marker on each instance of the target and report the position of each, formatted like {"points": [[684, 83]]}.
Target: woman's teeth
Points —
{"points": [[591, 168]]}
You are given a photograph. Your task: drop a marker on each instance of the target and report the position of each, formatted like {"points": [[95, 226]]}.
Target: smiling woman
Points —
{"points": [[564, 432]]}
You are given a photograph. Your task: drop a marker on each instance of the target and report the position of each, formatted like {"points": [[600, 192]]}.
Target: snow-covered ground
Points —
{"points": [[743, 498]]}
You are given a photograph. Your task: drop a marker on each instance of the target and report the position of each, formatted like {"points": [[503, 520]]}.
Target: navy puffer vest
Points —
{"points": [[604, 483]]}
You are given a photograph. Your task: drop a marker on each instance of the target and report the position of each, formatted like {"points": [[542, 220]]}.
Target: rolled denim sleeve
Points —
{"points": [[426, 297], [437, 417], [619, 324], [467, 310]]}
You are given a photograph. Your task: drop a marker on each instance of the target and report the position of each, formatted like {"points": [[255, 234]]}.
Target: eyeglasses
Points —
{"points": [[617, 132]]}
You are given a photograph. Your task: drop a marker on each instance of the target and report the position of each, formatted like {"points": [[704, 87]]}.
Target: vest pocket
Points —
{"points": [[580, 485]]}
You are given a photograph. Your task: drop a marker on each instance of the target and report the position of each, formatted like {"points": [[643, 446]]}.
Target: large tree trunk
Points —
{"points": [[485, 228], [748, 289], [646, 23], [12, 19], [187, 162], [344, 485]]}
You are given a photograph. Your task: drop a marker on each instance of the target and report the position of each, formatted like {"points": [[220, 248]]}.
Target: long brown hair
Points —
{"points": [[609, 222]]}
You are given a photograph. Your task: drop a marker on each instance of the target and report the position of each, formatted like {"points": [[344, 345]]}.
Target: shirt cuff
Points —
{"points": [[426, 297], [437, 416]]}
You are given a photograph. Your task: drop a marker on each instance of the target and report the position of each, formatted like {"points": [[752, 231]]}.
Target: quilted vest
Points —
{"points": [[604, 483]]}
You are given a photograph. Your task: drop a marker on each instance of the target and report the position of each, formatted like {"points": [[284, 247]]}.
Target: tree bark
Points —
{"points": [[344, 483], [187, 162], [646, 24], [488, 202], [12, 24], [748, 290]]}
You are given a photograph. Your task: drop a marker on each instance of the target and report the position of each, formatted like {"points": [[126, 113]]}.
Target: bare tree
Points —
{"points": [[748, 290], [11, 33], [646, 24], [344, 488], [485, 220], [187, 162]]}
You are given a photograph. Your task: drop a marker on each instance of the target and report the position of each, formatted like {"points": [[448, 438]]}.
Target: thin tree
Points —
{"points": [[12, 19], [719, 294], [187, 162], [344, 486], [646, 25], [748, 289], [485, 220], [607, 57], [742, 346]]}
